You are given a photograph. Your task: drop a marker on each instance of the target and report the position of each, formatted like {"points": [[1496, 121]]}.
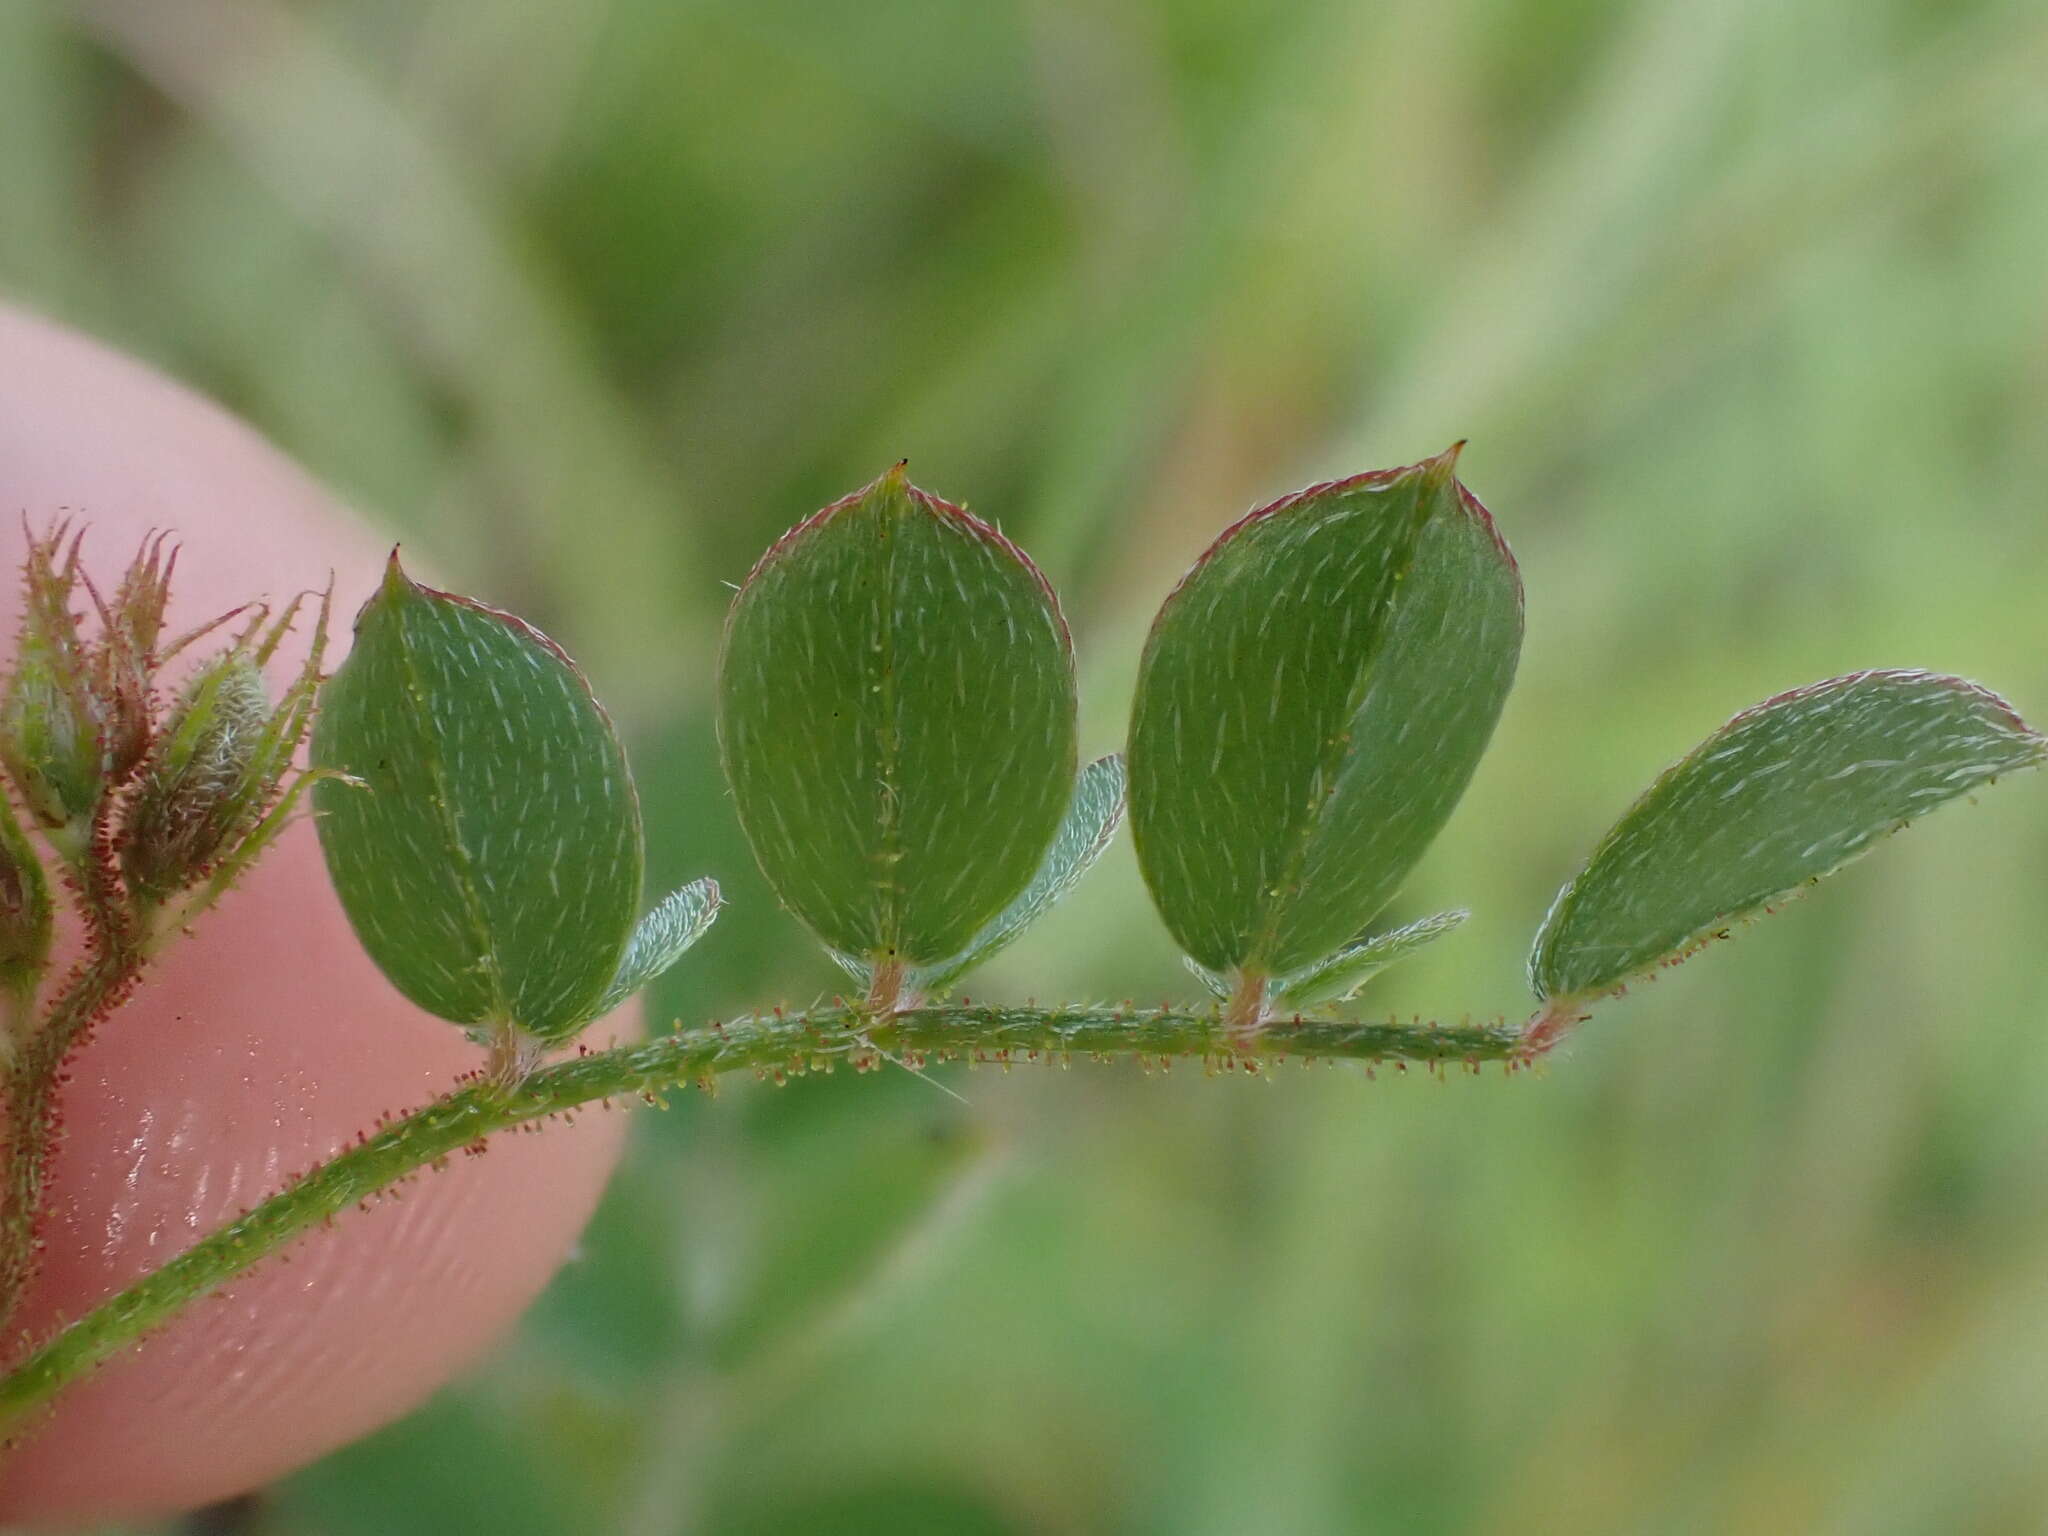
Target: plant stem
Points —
{"points": [[31, 1099], [768, 1044], [114, 963]]}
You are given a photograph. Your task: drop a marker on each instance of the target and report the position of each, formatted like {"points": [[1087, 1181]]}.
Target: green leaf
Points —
{"points": [[661, 939], [1311, 704], [1340, 977], [896, 716], [1782, 795], [489, 856], [1093, 815]]}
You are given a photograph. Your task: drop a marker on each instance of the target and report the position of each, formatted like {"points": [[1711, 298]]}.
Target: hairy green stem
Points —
{"points": [[772, 1044]]}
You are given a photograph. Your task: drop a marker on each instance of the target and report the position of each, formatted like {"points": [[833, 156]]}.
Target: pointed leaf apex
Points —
{"points": [[1441, 472], [396, 582]]}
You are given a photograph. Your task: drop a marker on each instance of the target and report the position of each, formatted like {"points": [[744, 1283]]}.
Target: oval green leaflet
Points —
{"points": [[896, 719], [1778, 798], [1312, 701], [480, 824]]}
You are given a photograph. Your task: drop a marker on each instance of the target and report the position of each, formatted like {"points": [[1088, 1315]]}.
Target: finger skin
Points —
{"points": [[257, 1047]]}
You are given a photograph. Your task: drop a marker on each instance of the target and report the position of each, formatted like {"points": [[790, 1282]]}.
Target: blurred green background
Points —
{"points": [[1744, 306]]}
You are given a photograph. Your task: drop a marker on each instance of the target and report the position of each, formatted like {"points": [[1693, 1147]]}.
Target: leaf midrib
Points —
{"points": [[1330, 763], [444, 816], [889, 746]]}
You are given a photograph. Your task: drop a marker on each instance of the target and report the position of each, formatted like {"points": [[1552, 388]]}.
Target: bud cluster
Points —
{"points": [[145, 791]]}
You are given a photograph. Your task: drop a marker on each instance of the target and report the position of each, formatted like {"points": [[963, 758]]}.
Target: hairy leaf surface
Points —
{"points": [[1093, 815], [663, 937], [1782, 795], [1312, 702], [1342, 975], [896, 716], [490, 856]]}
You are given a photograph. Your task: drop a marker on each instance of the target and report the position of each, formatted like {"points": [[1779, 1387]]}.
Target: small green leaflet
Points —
{"points": [[896, 718], [663, 936], [1216, 986], [1093, 816], [1339, 978], [1312, 701], [1779, 797], [489, 852]]}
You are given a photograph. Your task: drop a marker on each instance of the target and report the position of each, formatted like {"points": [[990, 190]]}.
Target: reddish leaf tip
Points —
{"points": [[1442, 471]]}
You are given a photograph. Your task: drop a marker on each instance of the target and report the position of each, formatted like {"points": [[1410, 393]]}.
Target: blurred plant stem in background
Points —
{"points": [[1741, 307]]}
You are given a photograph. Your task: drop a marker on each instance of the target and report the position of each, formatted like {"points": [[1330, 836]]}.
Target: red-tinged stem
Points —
{"points": [[885, 991], [32, 1102], [1549, 1026], [1244, 1014], [113, 965]]}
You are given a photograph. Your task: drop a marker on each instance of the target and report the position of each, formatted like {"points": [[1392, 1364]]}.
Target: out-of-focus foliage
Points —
{"points": [[1742, 307]]}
